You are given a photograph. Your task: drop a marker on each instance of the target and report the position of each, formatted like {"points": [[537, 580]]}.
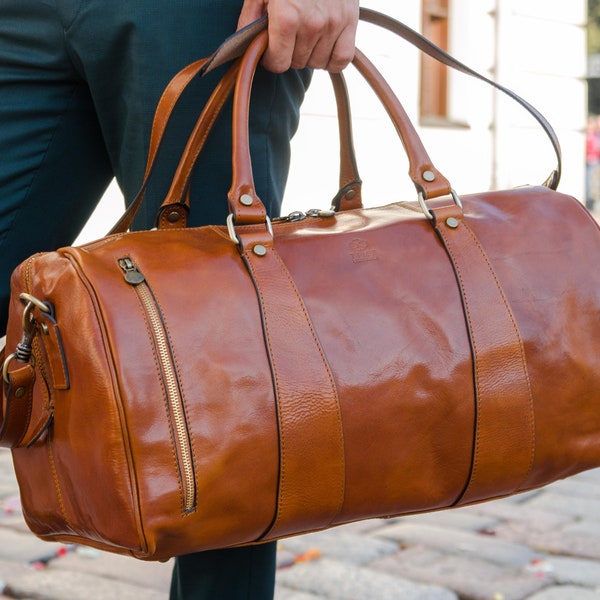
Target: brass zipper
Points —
{"points": [[135, 278], [299, 215]]}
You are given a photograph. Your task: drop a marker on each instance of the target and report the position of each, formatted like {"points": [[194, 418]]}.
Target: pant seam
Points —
{"points": [[75, 62], [67, 26]]}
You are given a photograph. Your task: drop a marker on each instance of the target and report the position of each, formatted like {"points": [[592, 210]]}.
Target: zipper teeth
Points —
{"points": [[174, 396]]}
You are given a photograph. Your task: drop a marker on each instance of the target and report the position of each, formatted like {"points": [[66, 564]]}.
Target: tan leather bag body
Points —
{"points": [[183, 389]]}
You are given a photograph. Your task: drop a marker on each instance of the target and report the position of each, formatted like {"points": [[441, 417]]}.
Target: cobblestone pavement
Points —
{"points": [[542, 545]]}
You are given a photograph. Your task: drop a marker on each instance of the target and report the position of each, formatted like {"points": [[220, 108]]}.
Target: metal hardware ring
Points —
{"points": [[7, 362], [28, 298], [231, 229], [426, 210]]}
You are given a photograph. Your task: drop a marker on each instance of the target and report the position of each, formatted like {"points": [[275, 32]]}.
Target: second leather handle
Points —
{"points": [[245, 205]]}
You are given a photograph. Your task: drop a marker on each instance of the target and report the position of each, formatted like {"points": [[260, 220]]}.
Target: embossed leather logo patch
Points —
{"points": [[361, 251]]}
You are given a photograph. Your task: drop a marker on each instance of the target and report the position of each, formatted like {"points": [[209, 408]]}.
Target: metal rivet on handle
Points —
{"points": [[259, 250], [173, 216], [246, 200], [19, 392], [429, 176], [350, 194], [452, 222]]}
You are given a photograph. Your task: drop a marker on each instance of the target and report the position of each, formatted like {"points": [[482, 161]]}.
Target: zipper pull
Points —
{"points": [[131, 273], [318, 212], [298, 215]]}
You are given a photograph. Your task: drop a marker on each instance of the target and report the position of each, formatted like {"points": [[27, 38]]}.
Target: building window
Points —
{"points": [[434, 76]]}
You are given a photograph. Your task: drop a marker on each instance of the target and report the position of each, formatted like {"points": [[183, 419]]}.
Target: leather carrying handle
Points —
{"points": [[349, 194], [235, 46], [426, 178], [174, 209], [245, 205]]}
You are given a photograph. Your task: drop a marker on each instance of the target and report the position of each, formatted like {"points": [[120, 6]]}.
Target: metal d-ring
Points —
{"points": [[31, 302], [28, 298], [5, 366], [426, 210], [231, 228]]}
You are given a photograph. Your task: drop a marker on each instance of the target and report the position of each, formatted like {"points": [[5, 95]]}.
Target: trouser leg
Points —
{"points": [[237, 574], [53, 162]]}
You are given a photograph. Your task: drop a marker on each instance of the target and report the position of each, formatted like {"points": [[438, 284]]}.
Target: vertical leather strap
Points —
{"points": [[504, 430], [312, 469]]}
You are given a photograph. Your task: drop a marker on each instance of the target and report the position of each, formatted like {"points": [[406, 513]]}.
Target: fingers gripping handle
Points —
{"points": [[245, 205]]}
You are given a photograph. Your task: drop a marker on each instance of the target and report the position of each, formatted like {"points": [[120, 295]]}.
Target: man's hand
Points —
{"points": [[306, 33]]}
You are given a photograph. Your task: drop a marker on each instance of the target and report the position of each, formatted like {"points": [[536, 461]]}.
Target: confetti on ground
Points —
{"points": [[286, 559], [11, 505], [539, 567], [310, 554], [41, 562]]}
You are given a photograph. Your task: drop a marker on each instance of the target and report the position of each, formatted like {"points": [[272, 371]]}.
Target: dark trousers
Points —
{"points": [[79, 82]]}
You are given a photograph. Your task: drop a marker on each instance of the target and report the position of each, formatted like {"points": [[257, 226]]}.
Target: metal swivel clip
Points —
{"points": [[24, 348]]}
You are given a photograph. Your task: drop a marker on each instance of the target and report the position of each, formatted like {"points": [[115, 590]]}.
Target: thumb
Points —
{"points": [[251, 10]]}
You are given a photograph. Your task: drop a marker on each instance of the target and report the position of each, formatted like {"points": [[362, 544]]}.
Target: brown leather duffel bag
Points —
{"points": [[183, 389]]}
